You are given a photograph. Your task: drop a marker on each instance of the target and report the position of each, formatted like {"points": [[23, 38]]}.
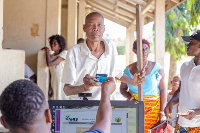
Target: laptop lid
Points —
{"points": [[77, 116]]}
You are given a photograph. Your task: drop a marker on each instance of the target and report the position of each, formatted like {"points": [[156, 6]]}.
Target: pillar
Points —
{"points": [[160, 31], [72, 23], [53, 18], [81, 18], [1, 23], [53, 24], [130, 38]]}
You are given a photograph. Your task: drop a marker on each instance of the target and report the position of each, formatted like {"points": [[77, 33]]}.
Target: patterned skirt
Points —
{"points": [[180, 129], [151, 110]]}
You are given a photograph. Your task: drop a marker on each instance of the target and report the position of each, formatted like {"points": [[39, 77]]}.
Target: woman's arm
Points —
{"points": [[139, 78], [124, 90], [52, 62], [163, 94], [55, 61]]}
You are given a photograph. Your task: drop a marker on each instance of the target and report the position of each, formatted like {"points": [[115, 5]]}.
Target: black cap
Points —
{"points": [[195, 36]]}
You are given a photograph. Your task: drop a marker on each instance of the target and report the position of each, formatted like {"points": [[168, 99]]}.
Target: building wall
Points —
{"points": [[1, 23], [28, 24], [19, 17], [12, 67]]}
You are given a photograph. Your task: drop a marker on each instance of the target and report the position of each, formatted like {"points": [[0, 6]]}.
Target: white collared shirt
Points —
{"points": [[80, 61], [189, 93]]}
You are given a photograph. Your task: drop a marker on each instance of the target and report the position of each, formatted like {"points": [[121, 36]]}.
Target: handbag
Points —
{"points": [[164, 127]]}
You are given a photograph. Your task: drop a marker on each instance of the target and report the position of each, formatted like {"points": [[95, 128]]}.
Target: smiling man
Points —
{"points": [[188, 94]]}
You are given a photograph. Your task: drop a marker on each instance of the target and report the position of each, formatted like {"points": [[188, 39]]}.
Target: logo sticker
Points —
{"points": [[70, 119]]}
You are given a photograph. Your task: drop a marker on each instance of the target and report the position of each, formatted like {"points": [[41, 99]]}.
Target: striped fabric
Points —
{"points": [[152, 110], [180, 129]]}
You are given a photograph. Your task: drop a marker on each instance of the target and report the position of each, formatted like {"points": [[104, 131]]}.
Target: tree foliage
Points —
{"points": [[180, 21], [121, 49]]}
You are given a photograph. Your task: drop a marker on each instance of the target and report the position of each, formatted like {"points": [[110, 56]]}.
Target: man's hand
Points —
{"points": [[168, 110], [89, 82], [108, 86], [190, 114]]}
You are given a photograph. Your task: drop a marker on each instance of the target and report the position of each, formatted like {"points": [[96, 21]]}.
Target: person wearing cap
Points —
{"points": [[154, 90], [188, 94]]}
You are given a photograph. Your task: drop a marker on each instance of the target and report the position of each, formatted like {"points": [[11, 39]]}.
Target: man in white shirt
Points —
{"points": [[189, 97], [94, 56]]}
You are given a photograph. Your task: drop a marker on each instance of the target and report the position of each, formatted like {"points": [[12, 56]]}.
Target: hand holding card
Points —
{"points": [[101, 77]]}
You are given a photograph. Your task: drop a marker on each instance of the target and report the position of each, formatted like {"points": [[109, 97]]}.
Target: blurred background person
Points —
{"points": [[55, 62], [80, 40], [29, 74], [175, 85]]}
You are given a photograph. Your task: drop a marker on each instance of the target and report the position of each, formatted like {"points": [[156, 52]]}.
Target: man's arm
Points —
{"points": [[89, 82], [174, 100], [104, 113], [191, 114], [73, 90]]}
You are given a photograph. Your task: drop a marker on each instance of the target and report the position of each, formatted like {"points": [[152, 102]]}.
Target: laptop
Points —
{"points": [[78, 116]]}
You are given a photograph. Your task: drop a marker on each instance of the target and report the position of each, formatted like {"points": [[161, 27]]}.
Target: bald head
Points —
{"points": [[93, 14]]}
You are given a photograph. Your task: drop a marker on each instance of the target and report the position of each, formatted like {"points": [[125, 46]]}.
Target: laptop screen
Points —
{"points": [[76, 116]]}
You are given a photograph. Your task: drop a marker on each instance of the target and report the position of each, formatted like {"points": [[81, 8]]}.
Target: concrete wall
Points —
{"points": [[17, 27], [11, 69], [1, 23], [28, 24], [43, 73], [12, 66]]}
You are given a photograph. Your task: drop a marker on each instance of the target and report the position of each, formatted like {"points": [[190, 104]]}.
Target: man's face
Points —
{"points": [[94, 28], [193, 48]]}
